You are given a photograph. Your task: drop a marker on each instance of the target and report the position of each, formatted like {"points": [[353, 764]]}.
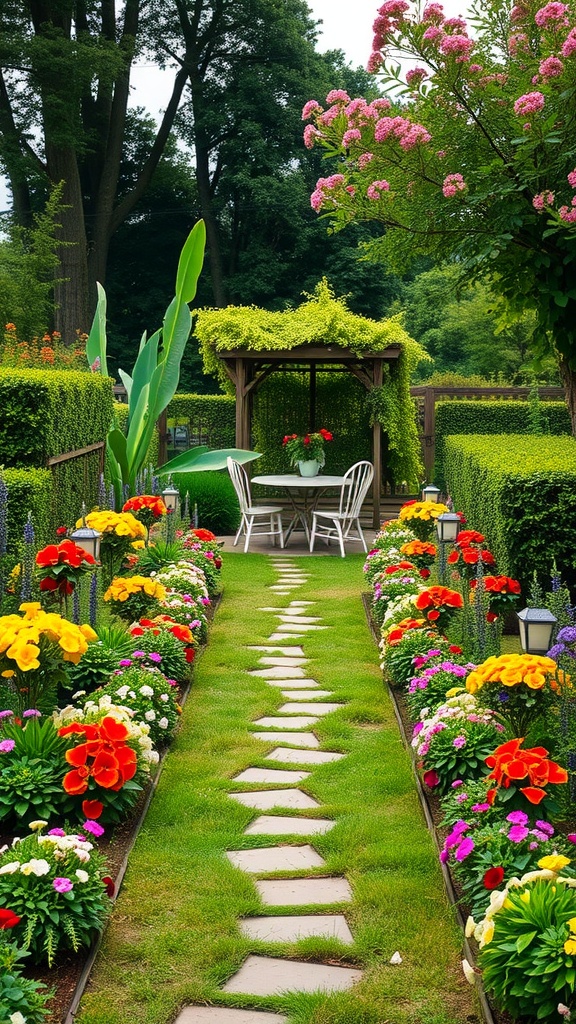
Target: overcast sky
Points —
{"points": [[346, 26]]}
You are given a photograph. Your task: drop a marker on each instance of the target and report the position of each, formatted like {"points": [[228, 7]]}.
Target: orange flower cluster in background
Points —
{"points": [[418, 547], [394, 635], [146, 503], [534, 670], [510, 764], [165, 622], [104, 756], [439, 600]]}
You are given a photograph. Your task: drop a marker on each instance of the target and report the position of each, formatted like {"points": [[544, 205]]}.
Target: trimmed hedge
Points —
{"points": [[212, 418], [486, 416], [214, 495], [47, 413], [519, 490], [29, 490]]}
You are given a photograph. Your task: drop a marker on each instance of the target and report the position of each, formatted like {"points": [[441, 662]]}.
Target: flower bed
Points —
{"points": [[79, 763], [492, 741]]}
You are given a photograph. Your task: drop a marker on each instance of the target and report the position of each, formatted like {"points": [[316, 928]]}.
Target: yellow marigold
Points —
{"points": [[570, 946], [422, 510], [534, 670], [25, 655], [554, 862]]}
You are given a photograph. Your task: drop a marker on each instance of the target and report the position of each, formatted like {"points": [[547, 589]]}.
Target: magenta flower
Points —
{"points": [[545, 826], [56, 832], [6, 714], [465, 849], [157, 658], [32, 713], [125, 662], [517, 833], [62, 884], [459, 742], [93, 827], [517, 817], [461, 798], [530, 103], [456, 783], [6, 746], [452, 184], [480, 808], [552, 15]]}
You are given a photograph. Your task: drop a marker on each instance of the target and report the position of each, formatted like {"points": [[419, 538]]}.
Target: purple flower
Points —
{"points": [[567, 634], [459, 742], [443, 856], [460, 825], [56, 832], [32, 713], [542, 837], [6, 714], [517, 817], [571, 837], [556, 651], [479, 808], [138, 654], [465, 848], [155, 657], [93, 827], [517, 833], [6, 746], [62, 884], [503, 696], [417, 728], [456, 783], [461, 798], [545, 826], [125, 662], [533, 846]]}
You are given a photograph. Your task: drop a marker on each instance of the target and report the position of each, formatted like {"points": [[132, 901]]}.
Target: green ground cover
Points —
{"points": [[173, 938]]}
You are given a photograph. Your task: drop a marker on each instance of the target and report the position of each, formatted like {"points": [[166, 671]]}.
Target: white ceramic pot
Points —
{"points": [[309, 468]]}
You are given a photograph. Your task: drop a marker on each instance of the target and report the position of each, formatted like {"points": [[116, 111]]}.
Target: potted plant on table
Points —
{"points": [[306, 451]]}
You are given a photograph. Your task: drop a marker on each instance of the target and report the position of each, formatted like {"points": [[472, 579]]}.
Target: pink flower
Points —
{"points": [[518, 42], [480, 808], [309, 108], [460, 46], [517, 833], [456, 23], [310, 135], [518, 13], [62, 885], [453, 184], [337, 96], [433, 12], [431, 778], [432, 34], [530, 103], [474, 68], [566, 214], [374, 191], [394, 9], [459, 742], [364, 159], [552, 67], [572, 178], [416, 76], [517, 818], [329, 115], [352, 135], [552, 13], [461, 798], [542, 200], [465, 848], [569, 46], [374, 62]]}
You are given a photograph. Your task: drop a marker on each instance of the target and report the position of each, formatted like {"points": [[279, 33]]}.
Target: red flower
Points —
{"points": [[491, 617], [146, 503], [493, 877], [326, 434], [205, 535], [92, 808], [454, 649], [48, 583], [466, 537], [431, 778], [189, 654], [110, 886], [8, 919], [425, 573], [61, 531], [306, 439]]}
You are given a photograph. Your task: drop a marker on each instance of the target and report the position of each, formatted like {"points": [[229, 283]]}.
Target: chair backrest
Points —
{"points": [[357, 480], [241, 483]]}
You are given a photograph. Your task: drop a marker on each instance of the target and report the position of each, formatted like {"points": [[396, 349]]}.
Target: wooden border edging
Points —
{"points": [[448, 885]]}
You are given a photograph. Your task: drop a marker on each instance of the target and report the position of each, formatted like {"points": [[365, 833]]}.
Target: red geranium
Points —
{"points": [[503, 592], [104, 756], [493, 877], [204, 535], [8, 919], [62, 566], [442, 603], [143, 503]]}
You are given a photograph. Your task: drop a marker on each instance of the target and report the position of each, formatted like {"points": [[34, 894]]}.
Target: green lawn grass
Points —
{"points": [[173, 938]]}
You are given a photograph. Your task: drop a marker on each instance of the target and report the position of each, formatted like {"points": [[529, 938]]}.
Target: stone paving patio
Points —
{"points": [[282, 662]]}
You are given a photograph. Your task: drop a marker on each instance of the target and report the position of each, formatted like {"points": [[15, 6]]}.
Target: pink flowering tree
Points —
{"points": [[472, 158]]}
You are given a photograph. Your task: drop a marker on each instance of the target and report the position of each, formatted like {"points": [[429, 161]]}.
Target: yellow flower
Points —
{"points": [[87, 632], [570, 946], [572, 924], [525, 896], [25, 655], [487, 934], [8, 674], [138, 544], [454, 691], [554, 862], [31, 609]]}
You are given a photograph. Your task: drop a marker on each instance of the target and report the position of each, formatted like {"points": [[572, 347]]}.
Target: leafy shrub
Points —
{"points": [[215, 498], [101, 658], [18, 994], [512, 487], [151, 698], [153, 640], [33, 767], [54, 884], [212, 418]]}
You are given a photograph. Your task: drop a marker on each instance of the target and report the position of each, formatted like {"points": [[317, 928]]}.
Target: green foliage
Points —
{"points": [[488, 416], [210, 418], [215, 498], [19, 994], [146, 692], [32, 490], [170, 649], [518, 490]]}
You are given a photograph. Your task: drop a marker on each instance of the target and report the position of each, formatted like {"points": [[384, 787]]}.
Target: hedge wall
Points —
{"points": [[491, 417], [29, 490], [519, 491], [46, 413], [212, 418]]}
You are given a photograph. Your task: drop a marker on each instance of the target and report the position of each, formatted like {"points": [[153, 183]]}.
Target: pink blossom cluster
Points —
{"points": [[452, 184], [337, 96], [552, 15], [459, 46], [432, 34], [310, 108], [568, 213], [390, 16], [324, 185], [530, 103], [416, 76], [518, 43], [542, 200], [374, 191], [572, 178], [569, 46], [551, 67], [408, 133], [433, 13], [364, 159], [455, 25], [310, 135], [518, 13], [350, 136]]}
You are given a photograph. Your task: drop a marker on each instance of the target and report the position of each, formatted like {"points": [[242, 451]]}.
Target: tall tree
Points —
{"points": [[477, 161], [64, 90]]}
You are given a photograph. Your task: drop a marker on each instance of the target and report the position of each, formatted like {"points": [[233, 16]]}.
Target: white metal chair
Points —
{"points": [[357, 480], [252, 515]]}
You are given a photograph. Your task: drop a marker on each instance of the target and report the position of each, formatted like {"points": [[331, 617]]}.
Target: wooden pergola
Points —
{"points": [[247, 368]]}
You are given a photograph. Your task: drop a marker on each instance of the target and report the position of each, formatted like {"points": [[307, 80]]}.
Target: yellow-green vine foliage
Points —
{"points": [[29, 490], [326, 320]]}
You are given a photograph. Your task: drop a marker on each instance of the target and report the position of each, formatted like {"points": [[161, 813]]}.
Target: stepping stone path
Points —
{"points": [[282, 660]]}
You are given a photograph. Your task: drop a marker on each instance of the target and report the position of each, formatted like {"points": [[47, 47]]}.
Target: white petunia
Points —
{"points": [[82, 875], [35, 867], [150, 716], [17, 1018], [9, 869], [163, 723], [164, 697], [146, 691]]}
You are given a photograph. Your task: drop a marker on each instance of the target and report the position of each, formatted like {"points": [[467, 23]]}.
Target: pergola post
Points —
{"points": [[377, 451], [242, 406]]}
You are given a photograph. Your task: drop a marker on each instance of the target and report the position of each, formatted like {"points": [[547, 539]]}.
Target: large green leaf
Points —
{"points": [[143, 369], [136, 427], [127, 382], [190, 263], [117, 445], [195, 462], [165, 379], [96, 344]]}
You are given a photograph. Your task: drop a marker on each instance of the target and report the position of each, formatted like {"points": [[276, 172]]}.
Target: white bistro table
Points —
{"points": [[303, 493]]}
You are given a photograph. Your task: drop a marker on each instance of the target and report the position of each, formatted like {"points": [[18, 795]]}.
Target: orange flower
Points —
{"points": [[511, 764], [104, 756]]}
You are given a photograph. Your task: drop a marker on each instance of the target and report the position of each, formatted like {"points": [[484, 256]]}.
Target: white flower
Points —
{"points": [[132, 694], [146, 691], [532, 876], [105, 701], [469, 972], [17, 1018], [36, 826], [82, 875], [164, 697], [79, 693], [9, 869], [122, 692], [35, 867], [82, 855], [470, 926], [163, 723], [150, 716], [498, 898]]}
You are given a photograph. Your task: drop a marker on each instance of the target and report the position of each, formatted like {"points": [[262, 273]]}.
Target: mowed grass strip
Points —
{"points": [[174, 938]]}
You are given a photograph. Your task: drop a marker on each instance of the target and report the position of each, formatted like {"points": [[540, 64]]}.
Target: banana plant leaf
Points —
{"points": [[196, 460]]}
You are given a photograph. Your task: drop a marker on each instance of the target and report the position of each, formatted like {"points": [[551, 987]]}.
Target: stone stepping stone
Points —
{"points": [[271, 976], [300, 892], [279, 672], [286, 723], [292, 708], [299, 618], [276, 858], [267, 799], [301, 926], [308, 684], [280, 825], [289, 662], [297, 739], [226, 1015], [285, 636], [270, 775], [303, 756], [294, 627], [305, 695], [293, 651], [303, 604]]}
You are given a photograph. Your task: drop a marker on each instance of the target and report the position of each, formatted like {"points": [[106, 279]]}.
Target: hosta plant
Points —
{"points": [[31, 770], [21, 998]]}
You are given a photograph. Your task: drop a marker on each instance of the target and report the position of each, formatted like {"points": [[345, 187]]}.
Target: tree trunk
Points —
{"points": [[569, 384], [212, 238], [71, 288]]}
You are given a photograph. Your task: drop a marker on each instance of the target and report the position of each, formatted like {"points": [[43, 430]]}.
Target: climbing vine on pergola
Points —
{"points": [[243, 345]]}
